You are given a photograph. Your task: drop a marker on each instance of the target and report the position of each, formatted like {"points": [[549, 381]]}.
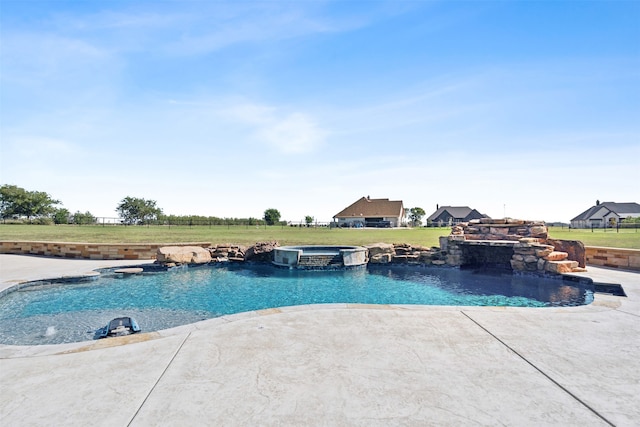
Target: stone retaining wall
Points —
{"points": [[500, 229], [108, 251], [626, 259]]}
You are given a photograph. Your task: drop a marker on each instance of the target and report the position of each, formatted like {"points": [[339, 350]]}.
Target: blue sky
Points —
{"points": [[524, 108]]}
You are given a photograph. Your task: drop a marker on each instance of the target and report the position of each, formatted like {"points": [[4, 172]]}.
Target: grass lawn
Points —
{"points": [[625, 238], [244, 235], [241, 235]]}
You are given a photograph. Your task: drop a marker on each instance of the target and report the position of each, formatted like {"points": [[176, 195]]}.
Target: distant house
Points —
{"points": [[448, 215], [606, 214], [367, 212]]}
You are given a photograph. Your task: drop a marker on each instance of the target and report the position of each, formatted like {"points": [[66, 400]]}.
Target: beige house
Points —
{"points": [[368, 212]]}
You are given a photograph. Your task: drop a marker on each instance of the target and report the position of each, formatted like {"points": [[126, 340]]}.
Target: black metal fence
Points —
{"points": [[607, 228], [208, 222]]}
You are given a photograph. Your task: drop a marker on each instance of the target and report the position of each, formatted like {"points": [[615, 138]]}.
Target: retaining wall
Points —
{"points": [[109, 251], [625, 259]]}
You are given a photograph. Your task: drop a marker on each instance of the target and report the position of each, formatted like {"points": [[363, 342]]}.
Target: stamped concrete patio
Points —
{"points": [[338, 365]]}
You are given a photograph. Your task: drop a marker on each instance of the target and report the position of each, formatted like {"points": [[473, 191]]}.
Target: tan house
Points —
{"points": [[368, 212]]}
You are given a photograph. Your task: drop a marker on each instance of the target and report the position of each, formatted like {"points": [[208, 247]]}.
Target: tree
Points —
{"points": [[11, 197], [80, 218], [631, 220], [308, 220], [271, 216], [61, 216], [17, 202], [415, 215], [134, 210]]}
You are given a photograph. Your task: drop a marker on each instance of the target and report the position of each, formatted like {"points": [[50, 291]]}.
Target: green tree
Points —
{"points": [[80, 218], [631, 220], [271, 216], [415, 215], [16, 202], [11, 198], [308, 220], [135, 210], [61, 216]]}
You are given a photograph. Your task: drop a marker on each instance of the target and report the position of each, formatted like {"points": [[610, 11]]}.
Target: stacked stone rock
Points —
{"points": [[529, 255], [533, 251], [173, 255], [387, 253], [381, 253], [500, 229], [261, 251], [227, 252]]}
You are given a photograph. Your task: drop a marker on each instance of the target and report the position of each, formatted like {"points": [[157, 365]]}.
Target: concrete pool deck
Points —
{"points": [[338, 364]]}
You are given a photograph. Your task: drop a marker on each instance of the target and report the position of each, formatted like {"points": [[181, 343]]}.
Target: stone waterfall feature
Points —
{"points": [[517, 245]]}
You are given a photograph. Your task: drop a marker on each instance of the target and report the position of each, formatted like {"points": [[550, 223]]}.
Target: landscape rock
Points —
{"points": [[400, 259], [183, 255], [380, 248], [380, 258], [574, 248], [561, 266], [261, 252], [224, 252], [556, 256]]}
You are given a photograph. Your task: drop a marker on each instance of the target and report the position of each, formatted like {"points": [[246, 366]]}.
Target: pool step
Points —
{"points": [[561, 266], [557, 256], [317, 260]]}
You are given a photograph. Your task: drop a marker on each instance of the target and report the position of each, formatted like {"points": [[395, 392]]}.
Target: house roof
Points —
{"points": [[367, 208], [618, 208], [455, 211]]}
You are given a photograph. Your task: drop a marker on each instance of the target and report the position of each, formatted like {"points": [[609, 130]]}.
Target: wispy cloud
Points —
{"points": [[31, 57], [287, 132], [294, 133], [255, 23], [186, 29]]}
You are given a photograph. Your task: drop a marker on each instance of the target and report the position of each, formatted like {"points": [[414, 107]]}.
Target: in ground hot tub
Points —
{"points": [[320, 257]]}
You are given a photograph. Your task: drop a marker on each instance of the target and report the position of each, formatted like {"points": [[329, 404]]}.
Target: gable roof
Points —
{"points": [[460, 212], [618, 208], [368, 208]]}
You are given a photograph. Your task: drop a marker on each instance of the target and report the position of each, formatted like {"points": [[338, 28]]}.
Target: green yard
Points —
{"points": [[248, 235]]}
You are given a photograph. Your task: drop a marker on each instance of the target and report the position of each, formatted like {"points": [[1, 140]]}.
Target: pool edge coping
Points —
{"points": [[7, 351]]}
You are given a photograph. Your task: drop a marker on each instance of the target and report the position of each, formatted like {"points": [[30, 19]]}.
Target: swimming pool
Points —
{"points": [[50, 312]]}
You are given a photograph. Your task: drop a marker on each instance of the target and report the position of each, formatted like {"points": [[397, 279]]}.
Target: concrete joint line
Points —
{"points": [[159, 378], [626, 312], [540, 370]]}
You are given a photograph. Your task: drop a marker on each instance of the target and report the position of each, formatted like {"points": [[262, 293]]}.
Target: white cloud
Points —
{"points": [[287, 132], [295, 133]]}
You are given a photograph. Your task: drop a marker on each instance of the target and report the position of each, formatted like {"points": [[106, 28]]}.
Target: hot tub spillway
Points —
{"points": [[320, 257], [320, 260]]}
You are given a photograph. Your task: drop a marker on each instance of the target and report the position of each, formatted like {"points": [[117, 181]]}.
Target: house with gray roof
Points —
{"points": [[606, 214], [449, 215], [368, 212]]}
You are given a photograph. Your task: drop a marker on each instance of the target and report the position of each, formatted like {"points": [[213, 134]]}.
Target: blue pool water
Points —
{"points": [[51, 313]]}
